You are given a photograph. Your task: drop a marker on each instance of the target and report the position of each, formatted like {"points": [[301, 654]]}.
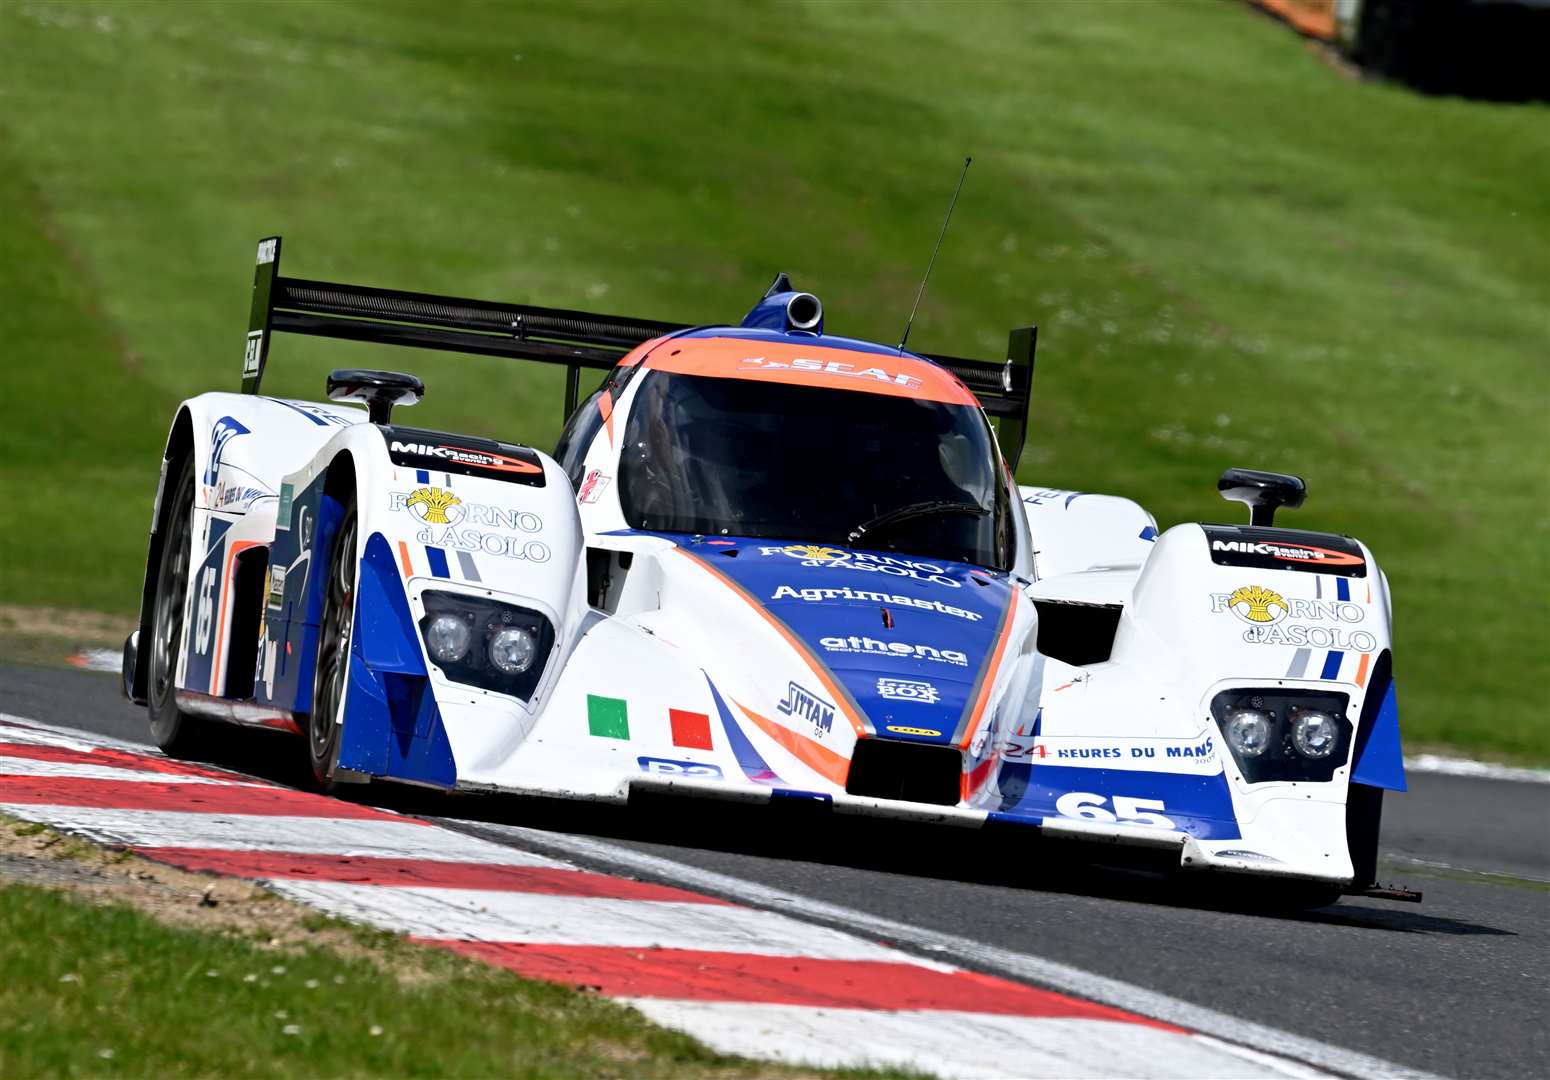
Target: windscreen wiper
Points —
{"points": [[913, 511]]}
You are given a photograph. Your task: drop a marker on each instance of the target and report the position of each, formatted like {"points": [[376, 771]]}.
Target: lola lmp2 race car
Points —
{"points": [[763, 563]]}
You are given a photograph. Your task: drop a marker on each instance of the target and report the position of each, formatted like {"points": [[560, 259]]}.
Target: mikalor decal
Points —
{"points": [[1273, 619], [818, 596], [478, 459], [449, 523], [433, 450], [865, 561], [908, 690], [802, 703], [833, 367], [873, 647], [1284, 549]]}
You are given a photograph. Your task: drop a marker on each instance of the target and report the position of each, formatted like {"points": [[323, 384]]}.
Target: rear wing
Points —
{"points": [[576, 339], [1003, 390]]}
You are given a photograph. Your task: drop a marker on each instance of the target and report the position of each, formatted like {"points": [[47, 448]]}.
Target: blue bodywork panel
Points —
{"points": [[1380, 761], [392, 725]]}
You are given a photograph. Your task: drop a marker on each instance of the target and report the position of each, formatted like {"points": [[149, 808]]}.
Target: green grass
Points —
{"points": [[1236, 254], [88, 990]]}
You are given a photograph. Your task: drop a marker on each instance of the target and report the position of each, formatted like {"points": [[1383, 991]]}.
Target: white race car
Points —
{"points": [[763, 563]]}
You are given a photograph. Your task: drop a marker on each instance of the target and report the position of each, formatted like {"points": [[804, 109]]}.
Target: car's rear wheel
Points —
{"points": [[325, 726], [178, 733]]}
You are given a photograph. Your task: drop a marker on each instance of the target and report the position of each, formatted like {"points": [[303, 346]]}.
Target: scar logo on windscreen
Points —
{"points": [[806, 705]]}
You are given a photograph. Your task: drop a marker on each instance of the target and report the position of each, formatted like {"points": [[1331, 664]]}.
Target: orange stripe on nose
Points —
{"points": [[403, 556], [983, 696], [819, 670], [1361, 670], [815, 756]]}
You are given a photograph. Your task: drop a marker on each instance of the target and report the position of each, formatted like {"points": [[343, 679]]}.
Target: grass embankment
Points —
{"points": [[1237, 254], [116, 966]]}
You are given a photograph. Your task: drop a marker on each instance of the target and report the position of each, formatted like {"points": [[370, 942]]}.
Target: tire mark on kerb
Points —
{"points": [[1257, 1041]]}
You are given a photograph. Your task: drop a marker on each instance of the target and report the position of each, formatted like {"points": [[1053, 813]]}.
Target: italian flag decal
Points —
{"points": [[607, 717]]}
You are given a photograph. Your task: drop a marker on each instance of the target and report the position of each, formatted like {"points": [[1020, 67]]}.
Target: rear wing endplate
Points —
{"points": [[576, 339]]}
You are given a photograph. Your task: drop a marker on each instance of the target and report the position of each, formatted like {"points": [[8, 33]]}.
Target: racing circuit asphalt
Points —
{"points": [[1458, 985]]}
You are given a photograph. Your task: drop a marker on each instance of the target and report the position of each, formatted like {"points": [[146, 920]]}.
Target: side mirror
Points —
{"points": [[1264, 492], [379, 390]]}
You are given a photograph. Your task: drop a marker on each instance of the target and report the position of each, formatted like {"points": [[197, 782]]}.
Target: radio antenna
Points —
{"points": [[922, 290]]}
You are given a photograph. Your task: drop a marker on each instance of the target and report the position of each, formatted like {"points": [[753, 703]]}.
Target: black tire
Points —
{"points": [[178, 733], [1363, 821], [325, 725]]}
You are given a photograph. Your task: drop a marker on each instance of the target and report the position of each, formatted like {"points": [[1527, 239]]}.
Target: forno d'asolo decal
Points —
{"points": [[466, 526], [843, 559], [1274, 619]]}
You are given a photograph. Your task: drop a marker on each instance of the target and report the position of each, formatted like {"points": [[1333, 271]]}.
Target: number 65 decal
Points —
{"points": [[1127, 811]]}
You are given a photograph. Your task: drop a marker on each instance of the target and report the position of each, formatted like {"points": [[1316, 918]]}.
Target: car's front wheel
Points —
{"points": [[325, 726], [177, 733]]}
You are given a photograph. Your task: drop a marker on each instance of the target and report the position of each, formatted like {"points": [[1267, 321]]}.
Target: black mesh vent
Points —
{"points": [[916, 772]]}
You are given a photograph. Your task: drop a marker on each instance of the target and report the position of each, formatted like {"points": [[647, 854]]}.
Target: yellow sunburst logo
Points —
{"points": [[431, 504], [814, 552], [1254, 603]]}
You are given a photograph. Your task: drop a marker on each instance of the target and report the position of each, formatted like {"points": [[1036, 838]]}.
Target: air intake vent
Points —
{"points": [[915, 772]]}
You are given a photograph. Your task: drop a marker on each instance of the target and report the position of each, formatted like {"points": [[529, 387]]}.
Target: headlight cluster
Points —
{"points": [[1284, 734], [485, 643]]}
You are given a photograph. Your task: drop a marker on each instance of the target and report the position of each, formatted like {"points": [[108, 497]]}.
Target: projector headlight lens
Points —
{"points": [[484, 642], [1248, 731], [512, 650], [1315, 734], [447, 638]]}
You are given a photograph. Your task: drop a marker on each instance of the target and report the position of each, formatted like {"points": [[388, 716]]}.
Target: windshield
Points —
{"points": [[736, 457]]}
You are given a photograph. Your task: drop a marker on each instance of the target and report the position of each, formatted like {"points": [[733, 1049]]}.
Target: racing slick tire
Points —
{"points": [[177, 733], [325, 725], [1363, 821]]}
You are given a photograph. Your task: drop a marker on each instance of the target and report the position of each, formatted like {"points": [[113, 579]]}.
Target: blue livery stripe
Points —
{"points": [[1332, 664], [421, 476], [1343, 589], [438, 560], [1198, 805], [748, 759]]}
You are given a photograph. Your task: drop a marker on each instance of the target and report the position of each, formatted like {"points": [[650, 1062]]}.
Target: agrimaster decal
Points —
{"points": [[1284, 549], [463, 455]]}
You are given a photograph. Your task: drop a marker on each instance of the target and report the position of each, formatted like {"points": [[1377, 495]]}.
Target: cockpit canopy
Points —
{"points": [[800, 460]]}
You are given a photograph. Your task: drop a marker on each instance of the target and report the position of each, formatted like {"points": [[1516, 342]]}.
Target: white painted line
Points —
{"points": [[110, 660], [1434, 864], [1032, 969], [1483, 770], [15, 766], [22, 730], [538, 918], [973, 1046], [252, 832]]}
